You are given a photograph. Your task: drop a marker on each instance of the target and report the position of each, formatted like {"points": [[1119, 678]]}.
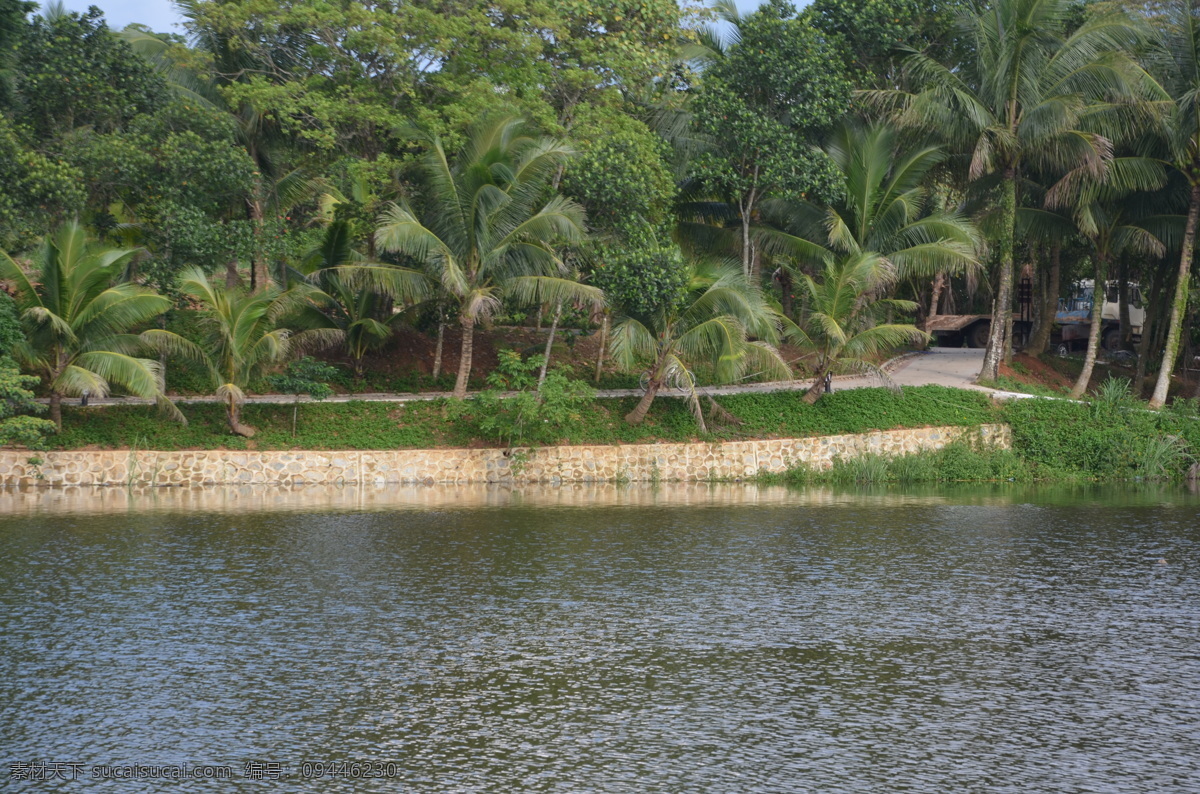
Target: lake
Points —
{"points": [[617, 639]]}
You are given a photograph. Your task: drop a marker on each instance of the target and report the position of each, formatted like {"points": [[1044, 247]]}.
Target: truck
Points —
{"points": [[1073, 320], [1074, 317]]}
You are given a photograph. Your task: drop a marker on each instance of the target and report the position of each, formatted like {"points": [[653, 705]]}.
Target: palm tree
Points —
{"points": [[79, 325], [489, 230], [884, 209], [1107, 213], [713, 324], [713, 42], [350, 293], [243, 337], [1177, 65], [1029, 94], [842, 328]]}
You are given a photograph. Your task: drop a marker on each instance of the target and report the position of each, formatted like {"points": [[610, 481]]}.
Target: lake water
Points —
{"points": [[674, 639]]}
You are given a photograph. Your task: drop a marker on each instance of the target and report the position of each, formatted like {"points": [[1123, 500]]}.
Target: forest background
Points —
{"points": [[699, 194]]}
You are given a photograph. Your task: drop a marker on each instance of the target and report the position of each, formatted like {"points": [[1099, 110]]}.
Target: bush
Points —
{"points": [[1109, 438], [535, 415]]}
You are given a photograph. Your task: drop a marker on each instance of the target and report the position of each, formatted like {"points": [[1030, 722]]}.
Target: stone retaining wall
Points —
{"points": [[730, 460]]}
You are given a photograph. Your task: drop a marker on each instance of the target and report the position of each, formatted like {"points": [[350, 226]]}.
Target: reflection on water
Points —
{"points": [[276, 498], [682, 638]]}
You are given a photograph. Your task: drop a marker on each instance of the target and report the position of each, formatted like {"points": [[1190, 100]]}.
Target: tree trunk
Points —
{"points": [[258, 264], [232, 277], [1002, 311], [697, 411], [818, 388], [939, 283], [785, 292], [56, 399], [437, 353], [638, 414], [745, 240], [1149, 323], [233, 414], [949, 306], [549, 344], [1089, 360], [464, 360], [603, 342], [1040, 339], [1179, 304], [1123, 305], [1008, 339]]}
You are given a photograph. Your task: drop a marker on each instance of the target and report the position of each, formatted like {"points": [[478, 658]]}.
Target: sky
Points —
{"points": [[160, 15]]}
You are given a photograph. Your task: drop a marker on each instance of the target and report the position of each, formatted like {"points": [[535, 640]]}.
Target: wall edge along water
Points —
{"points": [[691, 462]]}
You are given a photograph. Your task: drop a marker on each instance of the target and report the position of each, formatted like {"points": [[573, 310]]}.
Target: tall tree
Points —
{"points": [[1177, 65], [243, 338], [1107, 214], [1030, 93], [489, 229], [71, 72], [763, 105]]}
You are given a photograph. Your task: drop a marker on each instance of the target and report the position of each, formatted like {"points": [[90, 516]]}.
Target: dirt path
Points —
{"points": [[956, 367], [942, 366]]}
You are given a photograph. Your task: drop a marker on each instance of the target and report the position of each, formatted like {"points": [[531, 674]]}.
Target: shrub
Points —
{"points": [[533, 415], [1108, 438]]}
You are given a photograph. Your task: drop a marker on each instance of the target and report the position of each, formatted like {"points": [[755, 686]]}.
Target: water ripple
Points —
{"points": [[925, 647]]}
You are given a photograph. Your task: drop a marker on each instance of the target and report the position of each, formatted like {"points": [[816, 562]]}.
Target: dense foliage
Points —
{"points": [[315, 176], [18, 425]]}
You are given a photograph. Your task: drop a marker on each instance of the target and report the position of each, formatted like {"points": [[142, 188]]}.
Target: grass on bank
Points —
{"points": [[961, 461], [1112, 438], [363, 425]]}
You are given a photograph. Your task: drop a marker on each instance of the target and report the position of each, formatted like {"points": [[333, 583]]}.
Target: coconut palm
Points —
{"points": [[713, 41], [242, 337], [489, 229], [713, 324], [885, 208], [350, 293], [842, 329], [80, 325], [1108, 214], [1177, 65], [1030, 94]]}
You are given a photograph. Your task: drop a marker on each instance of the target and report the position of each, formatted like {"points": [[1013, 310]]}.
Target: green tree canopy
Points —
{"points": [[71, 72], [764, 105]]}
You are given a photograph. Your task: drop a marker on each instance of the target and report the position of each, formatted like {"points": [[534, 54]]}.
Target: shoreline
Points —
{"points": [[552, 465]]}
